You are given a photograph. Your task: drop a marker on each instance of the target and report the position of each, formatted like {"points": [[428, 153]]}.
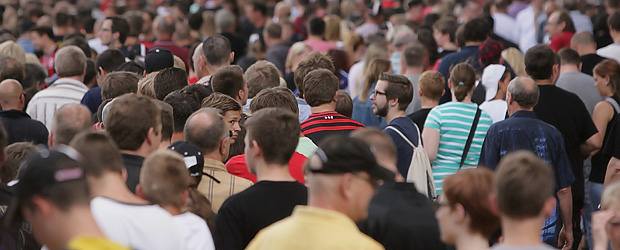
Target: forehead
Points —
{"points": [[232, 114], [381, 85], [554, 17], [107, 23]]}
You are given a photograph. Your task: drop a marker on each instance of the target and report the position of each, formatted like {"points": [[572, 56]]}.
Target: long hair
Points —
{"points": [[375, 69]]}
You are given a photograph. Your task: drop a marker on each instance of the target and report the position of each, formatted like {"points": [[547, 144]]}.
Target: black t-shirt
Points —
{"points": [[589, 61], [566, 112], [244, 214], [419, 117], [600, 159], [133, 164], [401, 218], [612, 146]]}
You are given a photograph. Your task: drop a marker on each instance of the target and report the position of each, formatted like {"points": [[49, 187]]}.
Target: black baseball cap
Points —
{"points": [[158, 58], [343, 154], [42, 169], [194, 160]]}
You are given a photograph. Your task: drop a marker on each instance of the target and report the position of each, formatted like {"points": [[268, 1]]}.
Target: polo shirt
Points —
{"points": [[320, 125], [44, 103], [313, 228], [21, 128], [228, 185]]}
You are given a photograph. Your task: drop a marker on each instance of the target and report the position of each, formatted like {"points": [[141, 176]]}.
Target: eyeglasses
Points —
{"points": [[377, 92]]}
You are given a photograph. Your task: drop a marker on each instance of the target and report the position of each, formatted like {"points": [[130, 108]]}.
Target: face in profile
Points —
{"points": [[445, 215]]}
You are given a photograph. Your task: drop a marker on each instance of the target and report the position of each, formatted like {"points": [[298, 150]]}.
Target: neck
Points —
{"points": [[272, 172], [78, 78], [472, 241], [315, 37], [544, 82], [586, 50], [49, 47], [522, 232], [324, 202], [260, 22], [6, 107], [211, 69], [115, 44], [178, 136], [412, 71], [323, 108], [615, 36], [515, 108], [164, 37], [78, 221], [449, 46], [173, 210], [428, 103], [215, 155], [473, 43], [274, 42], [142, 151], [500, 95], [394, 114], [566, 68], [112, 186], [131, 40]]}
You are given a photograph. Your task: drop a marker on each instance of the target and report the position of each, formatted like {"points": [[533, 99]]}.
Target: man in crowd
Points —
{"points": [[583, 42], [216, 54], [277, 49], [261, 75], [316, 36], [430, 90], [43, 40], [107, 62], [560, 29], [612, 51], [113, 32], [19, 126], [414, 61], [573, 80], [164, 27], [69, 120], [312, 61]]}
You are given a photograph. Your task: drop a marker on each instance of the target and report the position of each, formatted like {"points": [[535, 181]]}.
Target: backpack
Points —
{"points": [[420, 172]]}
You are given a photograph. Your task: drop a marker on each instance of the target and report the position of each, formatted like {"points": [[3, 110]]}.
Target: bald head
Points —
{"points": [[11, 96], [583, 42], [523, 91], [70, 120], [206, 129]]}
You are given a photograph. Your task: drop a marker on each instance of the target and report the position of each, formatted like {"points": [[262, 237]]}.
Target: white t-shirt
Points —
{"points": [[611, 51], [496, 109], [140, 227], [196, 234]]}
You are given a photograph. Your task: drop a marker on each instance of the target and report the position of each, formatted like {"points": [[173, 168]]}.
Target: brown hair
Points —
{"points": [[447, 25], [609, 68], [15, 154], [274, 30], [221, 102], [344, 103], [167, 120], [276, 131], [320, 87], [463, 78], [278, 97], [332, 27], [228, 80], [524, 183], [146, 85], [432, 84], [313, 61], [118, 83], [164, 178], [100, 152], [376, 67], [261, 75], [564, 17], [472, 189], [70, 120], [129, 119], [398, 87]]}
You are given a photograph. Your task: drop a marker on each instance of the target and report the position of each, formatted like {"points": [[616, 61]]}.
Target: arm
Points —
{"points": [[565, 240], [599, 234], [603, 113], [591, 145], [430, 136]]}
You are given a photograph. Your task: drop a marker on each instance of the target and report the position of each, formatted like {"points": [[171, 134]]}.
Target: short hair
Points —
{"points": [[121, 26], [332, 27], [101, 153], [207, 136], [10, 68], [524, 183], [316, 26], [216, 50], [525, 95], [183, 105], [379, 142], [221, 102], [14, 50], [274, 30], [477, 30], [569, 56], [167, 120], [414, 55], [134, 23], [398, 87], [463, 78], [45, 30], [34, 73], [224, 19], [432, 84], [344, 103], [228, 80], [261, 75], [70, 120], [91, 72], [276, 131], [259, 7], [168, 80], [145, 85], [583, 38], [565, 18], [15, 155], [198, 91], [539, 61], [129, 119], [110, 60], [472, 188], [165, 24], [278, 97], [320, 87], [69, 61], [313, 60], [613, 21], [80, 42], [164, 178], [118, 83]]}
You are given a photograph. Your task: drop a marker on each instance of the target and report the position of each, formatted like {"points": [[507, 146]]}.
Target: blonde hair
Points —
{"points": [[178, 63], [13, 50], [332, 27], [146, 85], [208, 25], [298, 48], [515, 59], [375, 69], [164, 178]]}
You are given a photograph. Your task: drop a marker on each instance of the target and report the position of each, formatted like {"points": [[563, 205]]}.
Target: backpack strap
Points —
{"points": [[402, 135], [470, 138], [613, 103]]}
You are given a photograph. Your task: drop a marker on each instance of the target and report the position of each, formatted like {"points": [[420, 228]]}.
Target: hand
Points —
{"points": [[600, 220], [566, 238]]}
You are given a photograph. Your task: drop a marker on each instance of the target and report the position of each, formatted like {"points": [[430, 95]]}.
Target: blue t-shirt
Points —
{"points": [[92, 99], [404, 150]]}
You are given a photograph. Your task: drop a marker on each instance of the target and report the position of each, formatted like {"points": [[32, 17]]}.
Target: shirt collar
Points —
{"points": [[524, 113]]}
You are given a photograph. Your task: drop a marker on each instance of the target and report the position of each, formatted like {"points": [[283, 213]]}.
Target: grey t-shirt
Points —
{"points": [[415, 104], [581, 85], [535, 247]]}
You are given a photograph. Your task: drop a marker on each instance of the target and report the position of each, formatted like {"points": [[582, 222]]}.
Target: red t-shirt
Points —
{"points": [[561, 41], [237, 167]]}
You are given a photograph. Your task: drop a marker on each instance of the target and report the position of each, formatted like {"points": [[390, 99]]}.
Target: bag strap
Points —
{"points": [[613, 102], [401, 135], [470, 138]]}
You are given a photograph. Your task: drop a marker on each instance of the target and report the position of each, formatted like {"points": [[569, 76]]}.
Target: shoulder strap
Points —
{"points": [[470, 138], [613, 102], [401, 135]]}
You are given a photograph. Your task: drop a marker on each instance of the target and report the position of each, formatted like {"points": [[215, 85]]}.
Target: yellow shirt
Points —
{"points": [[310, 228], [93, 243], [229, 184]]}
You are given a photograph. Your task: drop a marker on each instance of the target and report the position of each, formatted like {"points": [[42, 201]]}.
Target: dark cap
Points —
{"points": [[343, 154], [194, 160], [157, 59], [43, 169]]}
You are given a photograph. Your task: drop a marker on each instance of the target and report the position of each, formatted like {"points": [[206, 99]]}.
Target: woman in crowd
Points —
{"points": [[296, 53], [362, 105]]}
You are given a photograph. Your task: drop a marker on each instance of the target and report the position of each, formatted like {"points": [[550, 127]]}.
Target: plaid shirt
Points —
{"points": [[229, 184]]}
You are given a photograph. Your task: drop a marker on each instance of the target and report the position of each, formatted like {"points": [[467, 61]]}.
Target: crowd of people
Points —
{"points": [[296, 124]]}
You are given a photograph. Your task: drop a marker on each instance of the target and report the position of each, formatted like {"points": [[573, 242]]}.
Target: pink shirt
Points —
{"points": [[320, 45]]}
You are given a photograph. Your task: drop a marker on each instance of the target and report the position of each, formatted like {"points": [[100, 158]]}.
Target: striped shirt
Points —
{"points": [[320, 125], [453, 120], [229, 184], [44, 104]]}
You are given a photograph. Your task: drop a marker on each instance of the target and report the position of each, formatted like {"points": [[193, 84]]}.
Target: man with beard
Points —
{"points": [[390, 99]]}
